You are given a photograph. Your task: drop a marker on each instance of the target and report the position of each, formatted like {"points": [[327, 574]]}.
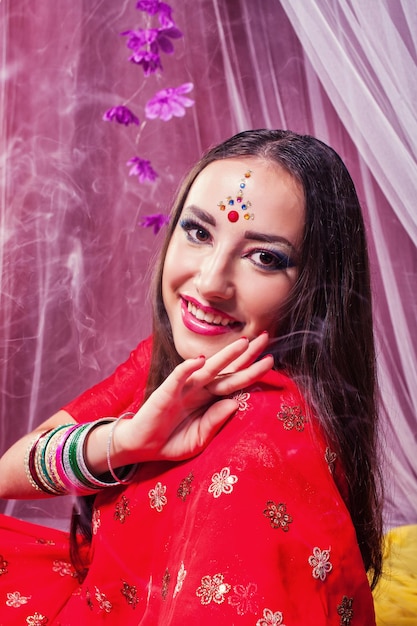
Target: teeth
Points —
{"points": [[210, 318]]}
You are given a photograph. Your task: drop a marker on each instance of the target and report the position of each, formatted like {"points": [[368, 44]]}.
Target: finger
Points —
{"points": [[255, 348], [220, 361], [213, 419], [177, 380], [244, 378]]}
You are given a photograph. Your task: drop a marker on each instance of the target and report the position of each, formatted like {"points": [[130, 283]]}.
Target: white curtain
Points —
{"points": [[365, 56]]}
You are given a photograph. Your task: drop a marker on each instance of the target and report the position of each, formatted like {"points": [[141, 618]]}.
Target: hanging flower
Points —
{"points": [[121, 114], [150, 61], [169, 103], [155, 7], [164, 36], [146, 44], [142, 169], [155, 221]]}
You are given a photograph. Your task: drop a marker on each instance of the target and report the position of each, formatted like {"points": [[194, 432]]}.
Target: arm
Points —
{"points": [[13, 480], [178, 420]]}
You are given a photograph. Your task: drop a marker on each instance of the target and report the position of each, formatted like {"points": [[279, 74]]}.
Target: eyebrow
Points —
{"points": [[202, 215], [253, 235]]}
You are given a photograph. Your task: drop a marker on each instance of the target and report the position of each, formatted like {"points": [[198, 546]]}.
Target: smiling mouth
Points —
{"points": [[209, 317]]}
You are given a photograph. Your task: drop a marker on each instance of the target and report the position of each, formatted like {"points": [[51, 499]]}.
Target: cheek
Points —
{"points": [[266, 304], [175, 270]]}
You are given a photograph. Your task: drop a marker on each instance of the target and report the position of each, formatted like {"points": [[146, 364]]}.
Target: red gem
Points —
{"points": [[233, 216]]}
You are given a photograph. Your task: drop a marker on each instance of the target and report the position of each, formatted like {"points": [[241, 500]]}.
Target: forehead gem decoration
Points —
{"points": [[233, 215]]}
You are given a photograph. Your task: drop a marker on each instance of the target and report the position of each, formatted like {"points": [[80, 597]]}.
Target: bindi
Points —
{"points": [[238, 202]]}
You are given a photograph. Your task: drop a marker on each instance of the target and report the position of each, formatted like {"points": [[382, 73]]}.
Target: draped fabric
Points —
{"points": [[75, 261], [235, 536]]}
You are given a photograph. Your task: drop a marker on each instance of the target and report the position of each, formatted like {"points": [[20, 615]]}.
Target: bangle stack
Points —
{"points": [[55, 461]]}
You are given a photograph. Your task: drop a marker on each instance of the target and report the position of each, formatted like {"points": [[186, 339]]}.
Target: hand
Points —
{"points": [[182, 416]]}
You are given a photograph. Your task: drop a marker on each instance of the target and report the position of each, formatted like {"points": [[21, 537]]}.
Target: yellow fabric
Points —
{"points": [[395, 596]]}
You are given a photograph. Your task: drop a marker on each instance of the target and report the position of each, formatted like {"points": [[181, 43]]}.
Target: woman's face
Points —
{"points": [[224, 279]]}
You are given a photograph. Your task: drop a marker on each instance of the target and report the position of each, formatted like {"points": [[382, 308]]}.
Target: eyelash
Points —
{"points": [[280, 261], [189, 225]]}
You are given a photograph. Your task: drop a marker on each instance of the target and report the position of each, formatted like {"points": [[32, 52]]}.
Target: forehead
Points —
{"points": [[263, 194]]}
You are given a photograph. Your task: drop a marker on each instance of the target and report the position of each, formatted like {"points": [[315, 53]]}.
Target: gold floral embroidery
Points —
{"points": [[345, 611], [182, 573], [184, 489], [103, 603], [15, 599], [130, 592], [3, 565], [270, 619], [122, 510], [213, 589], [222, 482], [36, 620], [96, 521], [277, 515], [157, 497], [244, 599], [320, 563], [242, 398], [292, 417], [63, 568], [165, 583], [330, 458], [46, 542]]}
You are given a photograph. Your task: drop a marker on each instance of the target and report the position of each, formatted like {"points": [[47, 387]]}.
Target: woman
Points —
{"points": [[244, 489]]}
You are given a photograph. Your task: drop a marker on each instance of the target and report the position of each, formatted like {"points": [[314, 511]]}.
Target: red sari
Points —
{"points": [[253, 531]]}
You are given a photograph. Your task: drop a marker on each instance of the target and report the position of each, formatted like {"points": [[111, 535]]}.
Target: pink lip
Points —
{"points": [[201, 327]]}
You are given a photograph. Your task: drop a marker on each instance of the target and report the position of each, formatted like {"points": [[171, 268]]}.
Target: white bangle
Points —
{"points": [[131, 468]]}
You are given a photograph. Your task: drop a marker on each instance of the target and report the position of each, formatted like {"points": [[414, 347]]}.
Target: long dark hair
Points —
{"points": [[325, 329]]}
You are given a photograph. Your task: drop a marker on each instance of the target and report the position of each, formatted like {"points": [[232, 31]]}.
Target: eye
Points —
{"points": [[195, 232], [270, 261]]}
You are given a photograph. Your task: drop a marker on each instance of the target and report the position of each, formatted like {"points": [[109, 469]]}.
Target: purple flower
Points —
{"points": [[146, 43], [164, 36], [154, 7], [141, 37], [149, 61], [121, 114], [155, 221], [142, 169], [169, 102]]}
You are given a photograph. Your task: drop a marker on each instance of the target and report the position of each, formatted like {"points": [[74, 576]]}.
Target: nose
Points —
{"points": [[214, 278]]}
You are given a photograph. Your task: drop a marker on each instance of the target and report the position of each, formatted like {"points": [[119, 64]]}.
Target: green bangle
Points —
{"points": [[43, 455]]}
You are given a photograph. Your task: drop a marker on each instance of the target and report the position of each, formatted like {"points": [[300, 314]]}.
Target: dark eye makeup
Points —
{"points": [[263, 258], [195, 232], [270, 260]]}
